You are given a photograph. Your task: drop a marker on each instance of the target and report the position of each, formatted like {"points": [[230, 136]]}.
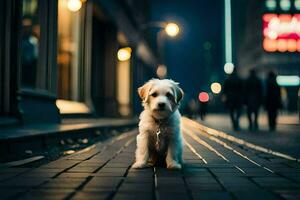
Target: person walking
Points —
{"points": [[273, 100], [253, 98], [233, 96]]}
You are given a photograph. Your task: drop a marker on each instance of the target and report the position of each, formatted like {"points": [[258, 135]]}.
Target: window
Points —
{"points": [[71, 60], [30, 40], [123, 81]]}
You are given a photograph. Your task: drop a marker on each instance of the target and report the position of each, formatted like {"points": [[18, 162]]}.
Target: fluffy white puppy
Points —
{"points": [[159, 127]]}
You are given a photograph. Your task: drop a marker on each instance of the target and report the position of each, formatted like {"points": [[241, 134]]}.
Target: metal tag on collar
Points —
{"points": [[157, 134]]}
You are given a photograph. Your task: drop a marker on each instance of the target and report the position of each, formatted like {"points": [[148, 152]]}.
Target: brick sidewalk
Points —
{"points": [[214, 169]]}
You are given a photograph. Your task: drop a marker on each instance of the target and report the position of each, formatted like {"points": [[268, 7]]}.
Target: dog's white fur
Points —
{"points": [[153, 93]]}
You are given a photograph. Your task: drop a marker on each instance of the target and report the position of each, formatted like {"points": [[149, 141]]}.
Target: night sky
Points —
{"points": [[195, 57]]}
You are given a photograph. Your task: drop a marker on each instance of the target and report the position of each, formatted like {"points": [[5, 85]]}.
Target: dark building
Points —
{"points": [[70, 57], [264, 46]]}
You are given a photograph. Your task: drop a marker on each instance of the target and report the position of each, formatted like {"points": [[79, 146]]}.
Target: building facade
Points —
{"points": [[68, 57]]}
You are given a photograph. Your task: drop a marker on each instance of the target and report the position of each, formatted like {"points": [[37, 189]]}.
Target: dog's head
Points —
{"points": [[161, 97]]}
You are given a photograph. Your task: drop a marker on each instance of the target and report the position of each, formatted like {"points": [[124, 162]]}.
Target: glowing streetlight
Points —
{"points": [[216, 88], [172, 29], [74, 5], [124, 54]]}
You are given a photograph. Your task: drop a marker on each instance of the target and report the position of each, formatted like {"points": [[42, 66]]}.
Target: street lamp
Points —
{"points": [[170, 29], [74, 5]]}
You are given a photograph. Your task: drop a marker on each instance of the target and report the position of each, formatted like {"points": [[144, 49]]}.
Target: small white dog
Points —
{"points": [[159, 126]]}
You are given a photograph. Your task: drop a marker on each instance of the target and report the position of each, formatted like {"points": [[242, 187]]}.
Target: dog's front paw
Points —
{"points": [[174, 165], [139, 165]]}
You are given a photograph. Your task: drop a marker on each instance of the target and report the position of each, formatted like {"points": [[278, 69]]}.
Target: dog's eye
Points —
{"points": [[154, 94], [169, 95]]}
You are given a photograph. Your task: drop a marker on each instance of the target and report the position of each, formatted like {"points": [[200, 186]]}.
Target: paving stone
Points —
{"points": [[256, 194], [204, 186], [96, 195], [51, 194], [89, 164], [112, 170], [82, 169], [139, 180], [109, 174], [67, 183], [60, 164], [104, 182], [197, 174], [21, 182], [195, 180], [39, 174], [275, 182], [169, 195], [136, 187], [116, 165], [74, 175], [133, 196], [212, 195]]}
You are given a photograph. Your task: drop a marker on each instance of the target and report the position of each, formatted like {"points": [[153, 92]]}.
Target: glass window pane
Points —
{"points": [[30, 42], [70, 49]]}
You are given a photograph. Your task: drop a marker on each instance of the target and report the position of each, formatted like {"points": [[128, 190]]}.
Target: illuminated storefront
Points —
{"points": [[266, 37], [281, 26], [60, 57], [281, 32]]}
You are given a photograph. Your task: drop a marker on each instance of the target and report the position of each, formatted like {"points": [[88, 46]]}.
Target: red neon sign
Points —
{"points": [[281, 32]]}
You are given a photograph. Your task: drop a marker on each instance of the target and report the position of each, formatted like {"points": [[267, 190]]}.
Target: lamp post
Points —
{"points": [[170, 29]]}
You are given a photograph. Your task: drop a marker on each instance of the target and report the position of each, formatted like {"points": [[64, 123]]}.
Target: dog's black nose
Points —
{"points": [[161, 105]]}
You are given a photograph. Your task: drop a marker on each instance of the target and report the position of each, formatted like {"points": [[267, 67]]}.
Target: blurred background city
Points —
{"points": [[94, 54], [86, 58], [69, 107]]}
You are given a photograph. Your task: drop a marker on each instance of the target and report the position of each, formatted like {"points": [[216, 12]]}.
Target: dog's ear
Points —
{"points": [[178, 92], [144, 90]]}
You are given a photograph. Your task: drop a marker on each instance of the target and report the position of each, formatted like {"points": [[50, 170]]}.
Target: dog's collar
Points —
{"points": [[160, 121]]}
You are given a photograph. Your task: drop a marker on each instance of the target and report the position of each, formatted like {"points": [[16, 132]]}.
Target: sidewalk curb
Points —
{"points": [[49, 138]]}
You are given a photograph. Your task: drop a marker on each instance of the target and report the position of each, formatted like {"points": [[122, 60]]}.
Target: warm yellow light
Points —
{"points": [[124, 54], [216, 87], [161, 71], [68, 107], [172, 29], [74, 5]]}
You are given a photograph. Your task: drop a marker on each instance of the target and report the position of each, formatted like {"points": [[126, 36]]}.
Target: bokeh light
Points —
{"points": [[172, 29], [161, 71], [74, 5], [228, 68], [297, 4], [124, 54], [291, 80], [271, 4], [285, 5], [203, 97], [216, 88]]}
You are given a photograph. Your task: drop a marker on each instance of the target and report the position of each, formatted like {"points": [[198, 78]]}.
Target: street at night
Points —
{"points": [[149, 99]]}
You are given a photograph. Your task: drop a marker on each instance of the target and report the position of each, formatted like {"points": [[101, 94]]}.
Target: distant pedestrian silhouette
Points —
{"points": [[272, 100], [253, 98], [203, 110], [233, 96]]}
